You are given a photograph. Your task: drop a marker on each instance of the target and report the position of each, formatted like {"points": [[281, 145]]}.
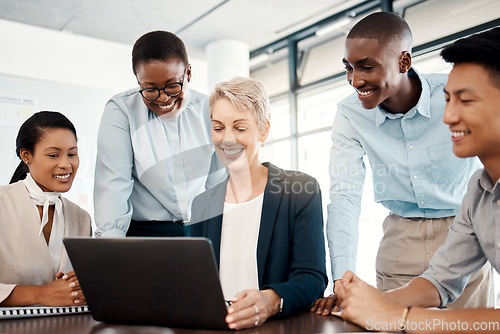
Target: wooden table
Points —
{"points": [[303, 323]]}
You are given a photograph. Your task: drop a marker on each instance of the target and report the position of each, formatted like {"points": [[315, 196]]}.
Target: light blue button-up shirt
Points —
{"points": [[473, 239], [415, 173], [149, 167]]}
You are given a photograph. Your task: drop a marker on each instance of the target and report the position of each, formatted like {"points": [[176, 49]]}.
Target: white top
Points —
{"points": [[24, 256], [46, 199], [238, 249]]}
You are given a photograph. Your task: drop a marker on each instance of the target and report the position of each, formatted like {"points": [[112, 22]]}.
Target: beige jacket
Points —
{"points": [[24, 254]]}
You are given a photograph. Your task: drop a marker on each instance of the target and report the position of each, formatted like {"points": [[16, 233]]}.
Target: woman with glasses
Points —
{"points": [[154, 152]]}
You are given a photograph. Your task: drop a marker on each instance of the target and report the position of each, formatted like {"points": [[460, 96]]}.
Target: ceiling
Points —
{"points": [[197, 22]]}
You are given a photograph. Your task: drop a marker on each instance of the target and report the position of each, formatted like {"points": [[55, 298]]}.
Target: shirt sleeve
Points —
{"points": [[347, 175], [6, 290], [113, 174], [461, 255]]}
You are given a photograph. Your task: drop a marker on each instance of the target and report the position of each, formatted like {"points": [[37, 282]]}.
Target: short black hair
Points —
{"points": [[32, 130], [482, 49], [385, 27], [158, 45]]}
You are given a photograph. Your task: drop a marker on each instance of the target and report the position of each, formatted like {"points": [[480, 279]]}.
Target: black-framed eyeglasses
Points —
{"points": [[172, 89]]}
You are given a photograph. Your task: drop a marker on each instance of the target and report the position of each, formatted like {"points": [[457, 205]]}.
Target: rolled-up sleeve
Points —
{"points": [[6, 290], [454, 262]]}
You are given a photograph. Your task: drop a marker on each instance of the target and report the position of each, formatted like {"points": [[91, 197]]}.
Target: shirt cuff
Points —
{"points": [[443, 293], [114, 233], [341, 264], [6, 290]]}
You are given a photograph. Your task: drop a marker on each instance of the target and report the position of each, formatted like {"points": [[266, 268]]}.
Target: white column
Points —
{"points": [[226, 58]]}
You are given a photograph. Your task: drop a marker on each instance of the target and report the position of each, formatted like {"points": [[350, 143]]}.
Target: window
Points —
{"points": [[322, 60], [316, 108], [280, 119], [274, 75], [321, 88], [448, 17], [277, 153]]}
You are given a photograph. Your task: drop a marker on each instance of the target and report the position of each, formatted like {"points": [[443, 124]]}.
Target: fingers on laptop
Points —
{"points": [[248, 309]]}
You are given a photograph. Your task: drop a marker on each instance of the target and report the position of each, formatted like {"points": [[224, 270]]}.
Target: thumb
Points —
{"points": [[339, 290]]}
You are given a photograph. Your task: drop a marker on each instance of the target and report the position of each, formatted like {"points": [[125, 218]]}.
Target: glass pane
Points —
{"points": [[317, 108], [313, 158], [323, 60], [431, 63], [448, 17], [278, 153], [280, 119], [274, 76]]}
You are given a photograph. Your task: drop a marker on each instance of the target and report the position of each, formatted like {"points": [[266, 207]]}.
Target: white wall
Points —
{"points": [[42, 69]]}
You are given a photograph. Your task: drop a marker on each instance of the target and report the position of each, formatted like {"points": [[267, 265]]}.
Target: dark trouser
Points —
{"points": [[156, 228]]}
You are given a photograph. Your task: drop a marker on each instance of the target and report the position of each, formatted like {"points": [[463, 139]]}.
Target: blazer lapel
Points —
{"points": [[270, 207], [214, 223]]}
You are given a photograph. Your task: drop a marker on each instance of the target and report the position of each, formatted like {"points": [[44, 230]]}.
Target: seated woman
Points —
{"points": [[265, 224], [35, 217]]}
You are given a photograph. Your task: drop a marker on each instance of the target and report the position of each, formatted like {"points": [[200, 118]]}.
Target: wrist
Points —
{"points": [[22, 295], [36, 294], [275, 301]]}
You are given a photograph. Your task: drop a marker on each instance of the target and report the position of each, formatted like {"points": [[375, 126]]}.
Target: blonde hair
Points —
{"points": [[244, 94]]}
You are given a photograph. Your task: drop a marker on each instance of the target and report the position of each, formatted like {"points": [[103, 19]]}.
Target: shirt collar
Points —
{"points": [[423, 106], [485, 183]]}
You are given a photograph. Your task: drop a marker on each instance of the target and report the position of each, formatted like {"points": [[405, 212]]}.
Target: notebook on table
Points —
{"points": [[39, 311], [171, 282]]}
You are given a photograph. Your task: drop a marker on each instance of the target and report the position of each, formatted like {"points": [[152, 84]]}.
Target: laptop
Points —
{"points": [[171, 282]]}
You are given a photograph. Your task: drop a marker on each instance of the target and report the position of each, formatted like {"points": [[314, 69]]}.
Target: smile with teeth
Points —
{"points": [[62, 177], [365, 93], [168, 106], [231, 152], [457, 134]]}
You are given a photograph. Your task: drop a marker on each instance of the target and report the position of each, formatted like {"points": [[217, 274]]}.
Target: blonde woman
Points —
{"points": [[265, 223]]}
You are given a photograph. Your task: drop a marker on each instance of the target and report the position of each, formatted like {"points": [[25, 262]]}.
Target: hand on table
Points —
{"points": [[326, 305], [252, 308], [63, 291]]}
